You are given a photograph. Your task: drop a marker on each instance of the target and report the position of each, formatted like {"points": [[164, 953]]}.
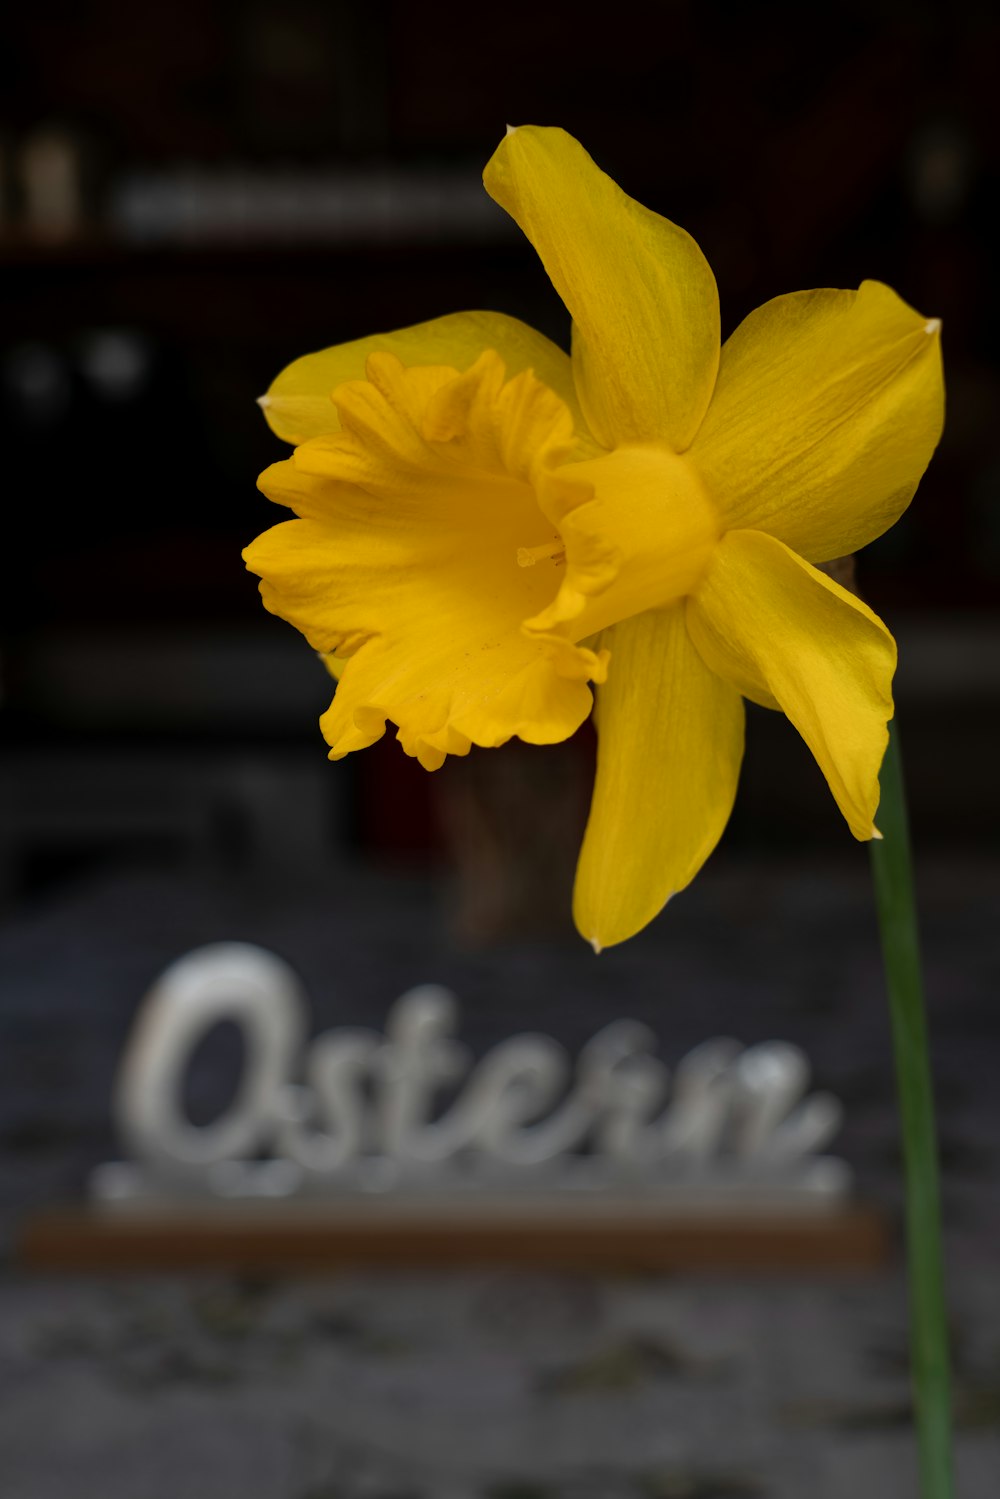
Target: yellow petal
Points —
{"points": [[641, 295], [298, 405], [670, 742], [404, 565], [286, 483], [827, 409], [765, 619]]}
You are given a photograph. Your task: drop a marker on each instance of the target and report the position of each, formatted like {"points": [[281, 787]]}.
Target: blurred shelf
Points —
{"points": [[107, 679], [113, 256], [298, 295], [154, 680]]}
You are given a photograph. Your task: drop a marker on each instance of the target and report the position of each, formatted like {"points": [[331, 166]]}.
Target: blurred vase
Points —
{"points": [[512, 821]]}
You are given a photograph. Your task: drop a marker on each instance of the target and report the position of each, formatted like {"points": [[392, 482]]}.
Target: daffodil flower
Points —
{"points": [[488, 525]]}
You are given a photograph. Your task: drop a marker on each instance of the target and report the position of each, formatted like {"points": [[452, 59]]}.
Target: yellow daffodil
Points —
{"points": [[487, 525]]}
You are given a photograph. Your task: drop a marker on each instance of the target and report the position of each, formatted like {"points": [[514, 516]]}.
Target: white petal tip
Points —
{"points": [[876, 835], [595, 945], [263, 402], [511, 130], [933, 325]]}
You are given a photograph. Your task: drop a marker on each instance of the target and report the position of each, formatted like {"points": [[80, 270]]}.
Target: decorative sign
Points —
{"points": [[357, 1113]]}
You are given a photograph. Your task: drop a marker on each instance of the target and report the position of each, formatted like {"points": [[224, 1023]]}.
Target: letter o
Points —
{"points": [[224, 981]]}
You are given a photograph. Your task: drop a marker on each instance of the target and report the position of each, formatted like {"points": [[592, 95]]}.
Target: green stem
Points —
{"points": [[897, 914]]}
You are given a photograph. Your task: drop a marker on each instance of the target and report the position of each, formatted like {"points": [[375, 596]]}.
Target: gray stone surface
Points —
{"points": [[496, 1385]]}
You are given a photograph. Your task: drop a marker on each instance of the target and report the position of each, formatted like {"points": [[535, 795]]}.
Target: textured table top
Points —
{"points": [[493, 1384]]}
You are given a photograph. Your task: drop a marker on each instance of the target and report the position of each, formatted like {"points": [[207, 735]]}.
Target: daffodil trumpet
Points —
{"points": [[490, 533]]}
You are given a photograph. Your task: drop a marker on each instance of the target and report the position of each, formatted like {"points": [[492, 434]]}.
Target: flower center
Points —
{"points": [[636, 530], [549, 551]]}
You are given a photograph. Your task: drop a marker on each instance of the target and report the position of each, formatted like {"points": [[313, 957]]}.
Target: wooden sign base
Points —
{"points": [[309, 1239]]}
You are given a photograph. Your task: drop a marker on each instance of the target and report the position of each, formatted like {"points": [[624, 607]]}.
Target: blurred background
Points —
{"points": [[191, 196]]}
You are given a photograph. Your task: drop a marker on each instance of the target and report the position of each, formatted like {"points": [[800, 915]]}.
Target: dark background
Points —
{"points": [[191, 195], [798, 155]]}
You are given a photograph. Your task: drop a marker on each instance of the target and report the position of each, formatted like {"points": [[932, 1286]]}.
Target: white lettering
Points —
{"points": [[364, 1109]]}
